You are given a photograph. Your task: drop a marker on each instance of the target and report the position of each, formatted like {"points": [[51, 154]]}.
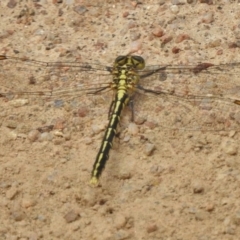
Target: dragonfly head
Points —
{"points": [[134, 61]]}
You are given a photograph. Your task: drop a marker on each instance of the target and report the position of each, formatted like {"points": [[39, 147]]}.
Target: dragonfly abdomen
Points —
{"points": [[120, 101]]}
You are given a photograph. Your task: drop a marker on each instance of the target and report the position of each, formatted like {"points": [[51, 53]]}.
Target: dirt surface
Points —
{"points": [[160, 182]]}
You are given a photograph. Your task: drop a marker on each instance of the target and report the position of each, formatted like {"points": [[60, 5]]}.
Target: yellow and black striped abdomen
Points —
{"points": [[125, 77], [103, 154]]}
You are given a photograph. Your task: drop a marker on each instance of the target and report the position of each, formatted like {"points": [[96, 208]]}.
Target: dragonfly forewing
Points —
{"points": [[191, 97]]}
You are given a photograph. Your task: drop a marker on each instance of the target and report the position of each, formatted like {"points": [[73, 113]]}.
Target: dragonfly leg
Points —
{"points": [[111, 109], [131, 105], [99, 90], [146, 90], [160, 69]]}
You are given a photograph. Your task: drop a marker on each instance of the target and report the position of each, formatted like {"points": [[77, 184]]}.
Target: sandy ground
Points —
{"points": [[187, 188]]}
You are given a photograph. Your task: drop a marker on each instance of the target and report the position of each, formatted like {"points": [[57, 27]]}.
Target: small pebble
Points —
{"points": [[87, 140], [82, 112], [148, 149], [133, 129], [192, 210], [4, 34], [11, 193], [59, 123], [230, 230], [135, 35], [28, 202], [176, 50], [119, 221], [210, 207], [207, 18], [201, 215], [67, 136], [89, 197], [12, 3], [58, 133], [58, 141], [18, 102], [45, 137], [134, 3], [236, 218], [198, 187], [75, 226], [80, 9], [232, 133], [206, 1], [215, 43], [219, 52], [166, 39], [97, 128], [11, 124], [121, 235], [125, 14], [227, 221], [152, 228], [135, 46], [174, 9], [156, 170], [175, 2], [126, 138], [17, 215], [139, 120], [150, 124], [41, 218], [124, 175], [181, 38], [71, 216], [131, 24], [158, 32], [229, 147], [10, 135], [161, 2], [33, 135], [233, 44], [225, 201]]}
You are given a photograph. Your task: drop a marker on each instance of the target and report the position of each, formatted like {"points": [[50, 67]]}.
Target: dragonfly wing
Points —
{"points": [[204, 97], [45, 88]]}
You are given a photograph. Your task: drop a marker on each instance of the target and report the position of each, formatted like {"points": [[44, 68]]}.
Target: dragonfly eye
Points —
{"points": [[134, 61], [120, 60], [138, 61]]}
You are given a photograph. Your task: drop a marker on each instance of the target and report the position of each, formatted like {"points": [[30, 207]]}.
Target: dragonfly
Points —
{"points": [[200, 97]]}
